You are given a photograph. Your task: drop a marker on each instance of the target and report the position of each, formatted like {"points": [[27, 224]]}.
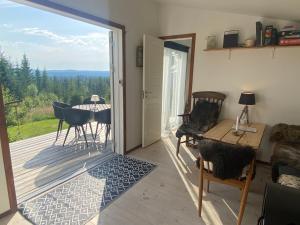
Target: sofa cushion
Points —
{"points": [[289, 180]]}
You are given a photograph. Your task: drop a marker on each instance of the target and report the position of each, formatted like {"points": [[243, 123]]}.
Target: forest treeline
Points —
{"points": [[35, 90]]}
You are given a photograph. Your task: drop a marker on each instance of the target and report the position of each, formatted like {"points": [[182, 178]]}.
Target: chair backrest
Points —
{"points": [[103, 116], [210, 96], [76, 116], [88, 101], [58, 109]]}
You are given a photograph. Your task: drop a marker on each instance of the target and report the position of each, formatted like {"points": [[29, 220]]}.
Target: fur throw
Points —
{"points": [[228, 160], [285, 133]]}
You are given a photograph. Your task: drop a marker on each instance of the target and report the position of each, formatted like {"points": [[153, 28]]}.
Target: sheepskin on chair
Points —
{"points": [[228, 160]]}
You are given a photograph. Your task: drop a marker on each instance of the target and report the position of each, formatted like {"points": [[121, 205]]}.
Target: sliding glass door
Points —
{"points": [[174, 84]]}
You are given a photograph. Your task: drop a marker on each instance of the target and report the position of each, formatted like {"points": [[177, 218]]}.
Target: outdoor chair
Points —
{"points": [[58, 113], [76, 118], [104, 118], [204, 115], [88, 101], [227, 164]]}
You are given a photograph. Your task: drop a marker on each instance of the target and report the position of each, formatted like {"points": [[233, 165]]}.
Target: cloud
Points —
{"points": [[5, 25], [8, 4], [93, 41]]}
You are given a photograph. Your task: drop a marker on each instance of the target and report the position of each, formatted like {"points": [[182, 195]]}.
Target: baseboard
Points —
{"points": [[263, 162], [132, 149], [6, 213]]}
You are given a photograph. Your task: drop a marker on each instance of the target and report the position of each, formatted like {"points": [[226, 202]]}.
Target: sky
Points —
{"points": [[51, 41]]}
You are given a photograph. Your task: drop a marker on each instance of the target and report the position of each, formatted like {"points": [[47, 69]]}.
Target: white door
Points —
{"points": [[152, 89]]}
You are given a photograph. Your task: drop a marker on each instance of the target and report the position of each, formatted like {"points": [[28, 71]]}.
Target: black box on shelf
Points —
{"points": [[231, 39]]}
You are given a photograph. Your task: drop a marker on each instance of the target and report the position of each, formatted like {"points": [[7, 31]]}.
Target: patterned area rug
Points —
{"points": [[78, 200]]}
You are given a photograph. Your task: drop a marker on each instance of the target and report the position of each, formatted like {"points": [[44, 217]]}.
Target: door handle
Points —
{"points": [[145, 94]]}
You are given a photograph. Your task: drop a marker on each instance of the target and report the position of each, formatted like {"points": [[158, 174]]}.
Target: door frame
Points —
{"points": [[191, 74], [84, 17]]}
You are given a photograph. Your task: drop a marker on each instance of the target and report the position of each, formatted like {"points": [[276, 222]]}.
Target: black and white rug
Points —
{"points": [[79, 199]]}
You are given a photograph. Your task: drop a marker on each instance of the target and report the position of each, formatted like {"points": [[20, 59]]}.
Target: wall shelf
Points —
{"points": [[244, 48]]}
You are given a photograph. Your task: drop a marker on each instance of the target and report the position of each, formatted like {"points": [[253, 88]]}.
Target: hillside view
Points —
{"points": [[29, 93]]}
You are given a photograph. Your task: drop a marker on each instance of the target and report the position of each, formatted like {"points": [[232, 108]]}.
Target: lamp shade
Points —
{"points": [[95, 98], [247, 98]]}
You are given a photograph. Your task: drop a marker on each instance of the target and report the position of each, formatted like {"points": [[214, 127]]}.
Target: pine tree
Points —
{"points": [[38, 79], [45, 81], [25, 72]]}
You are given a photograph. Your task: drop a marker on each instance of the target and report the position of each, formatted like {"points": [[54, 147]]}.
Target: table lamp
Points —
{"points": [[246, 98], [95, 99]]}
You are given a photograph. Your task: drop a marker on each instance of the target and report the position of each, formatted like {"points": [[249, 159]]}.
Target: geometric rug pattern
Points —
{"points": [[79, 199]]}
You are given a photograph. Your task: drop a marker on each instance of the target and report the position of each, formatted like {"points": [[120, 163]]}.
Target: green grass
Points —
{"points": [[33, 129]]}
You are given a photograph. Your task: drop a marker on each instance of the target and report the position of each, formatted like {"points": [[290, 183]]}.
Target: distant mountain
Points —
{"points": [[76, 73]]}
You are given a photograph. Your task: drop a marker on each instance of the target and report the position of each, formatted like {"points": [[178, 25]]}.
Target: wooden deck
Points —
{"points": [[40, 163]]}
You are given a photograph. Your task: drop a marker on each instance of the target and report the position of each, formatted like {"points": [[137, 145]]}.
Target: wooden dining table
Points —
{"points": [[224, 132]]}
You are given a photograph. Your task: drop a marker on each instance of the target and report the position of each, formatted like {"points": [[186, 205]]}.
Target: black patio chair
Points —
{"points": [[58, 113], [88, 101], [76, 118], [104, 118], [206, 110]]}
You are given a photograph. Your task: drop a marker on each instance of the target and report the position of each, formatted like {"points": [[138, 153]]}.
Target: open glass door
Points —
{"points": [[116, 65]]}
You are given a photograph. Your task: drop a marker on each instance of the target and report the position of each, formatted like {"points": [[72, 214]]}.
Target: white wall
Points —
{"points": [[138, 16], [275, 81], [4, 201]]}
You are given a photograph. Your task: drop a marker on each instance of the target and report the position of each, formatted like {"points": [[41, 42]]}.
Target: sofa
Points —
{"points": [[286, 155]]}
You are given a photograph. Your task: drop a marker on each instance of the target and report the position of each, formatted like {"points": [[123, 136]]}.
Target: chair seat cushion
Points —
{"points": [[289, 180], [189, 129]]}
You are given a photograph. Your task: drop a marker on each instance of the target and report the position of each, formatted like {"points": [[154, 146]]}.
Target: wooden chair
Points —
{"points": [[242, 184], [196, 132]]}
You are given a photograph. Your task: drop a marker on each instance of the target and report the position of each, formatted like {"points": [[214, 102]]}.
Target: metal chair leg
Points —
{"points": [[107, 132], [87, 145], [67, 135], [58, 128], [61, 126], [96, 131], [91, 128]]}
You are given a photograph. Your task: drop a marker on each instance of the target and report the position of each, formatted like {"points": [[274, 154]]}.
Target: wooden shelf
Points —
{"points": [[244, 48]]}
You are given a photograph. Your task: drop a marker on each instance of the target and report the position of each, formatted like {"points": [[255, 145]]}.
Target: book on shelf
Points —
{"points": [[259, 34], [290, 27], [287, 41], [290, 34]]}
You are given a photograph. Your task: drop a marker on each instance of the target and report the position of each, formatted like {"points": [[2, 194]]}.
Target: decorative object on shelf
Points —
{"points": [[211, 42], [249, 43], [259, 34], [139, 56], [268, 35], [231, 39], [246, 98]]}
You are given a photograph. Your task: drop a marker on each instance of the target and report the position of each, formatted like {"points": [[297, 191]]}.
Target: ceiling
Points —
{"points": [[280, 9]]}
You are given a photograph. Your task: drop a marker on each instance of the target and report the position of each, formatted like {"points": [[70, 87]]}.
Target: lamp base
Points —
{"points": [[237, 133], [246, 113]]}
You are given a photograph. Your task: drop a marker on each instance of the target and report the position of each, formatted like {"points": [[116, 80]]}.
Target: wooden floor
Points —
{"points": [[169, 194], [40, 163]]}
